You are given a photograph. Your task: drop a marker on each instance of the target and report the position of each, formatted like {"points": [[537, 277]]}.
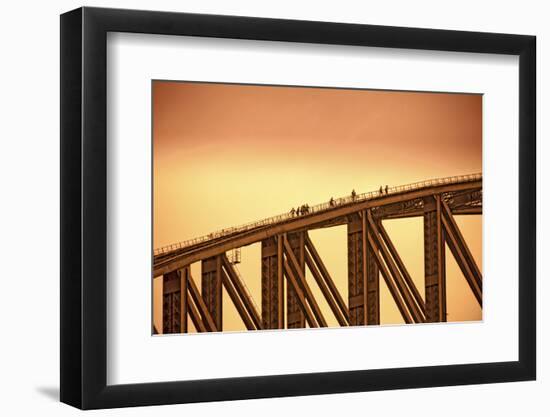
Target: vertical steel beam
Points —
{"points": [[434, 261], [280, 284], [270, 284], [295, 317], [211, 285], [442, 276], [184, 299], [171, 298], [356, 271]]}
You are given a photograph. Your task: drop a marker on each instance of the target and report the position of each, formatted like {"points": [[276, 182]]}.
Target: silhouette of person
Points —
{"points": [[353, 194], [381, 191], [331, 202], [386, 189]]}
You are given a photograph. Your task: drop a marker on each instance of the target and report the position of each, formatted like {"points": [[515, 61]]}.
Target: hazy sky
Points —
{"points": [[230, 154]]}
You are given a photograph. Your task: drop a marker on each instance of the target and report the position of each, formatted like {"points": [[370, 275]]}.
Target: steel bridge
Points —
{"points": [[287, 250]]}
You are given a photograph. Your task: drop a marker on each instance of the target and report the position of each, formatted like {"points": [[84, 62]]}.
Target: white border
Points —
{"points": [[135, 357]]}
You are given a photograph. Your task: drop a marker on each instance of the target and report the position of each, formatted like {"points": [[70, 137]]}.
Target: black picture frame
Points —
{"points": [[84, 207]]}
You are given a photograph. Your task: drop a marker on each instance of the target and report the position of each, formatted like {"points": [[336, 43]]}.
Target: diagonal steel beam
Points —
{"points": [[389, 282], [196, 318], [307, 291], [462, 242], [242, 292], [237, 302], [324, 272], [405, 293], [402, 268], [195, 294], [184, 274], [461, 261], [299, 295], [325, 290]]}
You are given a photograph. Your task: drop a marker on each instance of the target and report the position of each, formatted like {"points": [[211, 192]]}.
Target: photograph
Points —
{"points": [[246, 208], [280, 207], [289, 204]]}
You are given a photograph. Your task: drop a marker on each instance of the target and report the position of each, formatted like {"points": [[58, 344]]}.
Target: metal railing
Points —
{"points": [[329, 205]]}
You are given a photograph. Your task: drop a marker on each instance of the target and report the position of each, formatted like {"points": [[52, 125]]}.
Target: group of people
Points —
{"points": [[300, 211], [304, 208]]}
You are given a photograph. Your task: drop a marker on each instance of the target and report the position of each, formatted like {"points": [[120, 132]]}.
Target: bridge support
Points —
{"points": [[363, 275], [211, 285], [181, 301], [184, 279], [171, 303], [356, 269], [272, 283], [287, 249], [295, 316], [434, 261]]}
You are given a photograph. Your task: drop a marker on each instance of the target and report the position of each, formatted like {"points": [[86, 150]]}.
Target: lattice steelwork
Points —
{"points": [[356, 266], [272, 285], [212, 288], [171, 299], [434, 261]]}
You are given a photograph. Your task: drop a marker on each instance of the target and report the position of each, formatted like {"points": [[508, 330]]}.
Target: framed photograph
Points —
{"points": [[256, 208]]}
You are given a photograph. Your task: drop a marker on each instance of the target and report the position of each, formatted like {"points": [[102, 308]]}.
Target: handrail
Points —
{"points": [[337, 202]]}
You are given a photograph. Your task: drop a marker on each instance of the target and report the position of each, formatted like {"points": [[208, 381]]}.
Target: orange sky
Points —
{"points": [[230, 154]]}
